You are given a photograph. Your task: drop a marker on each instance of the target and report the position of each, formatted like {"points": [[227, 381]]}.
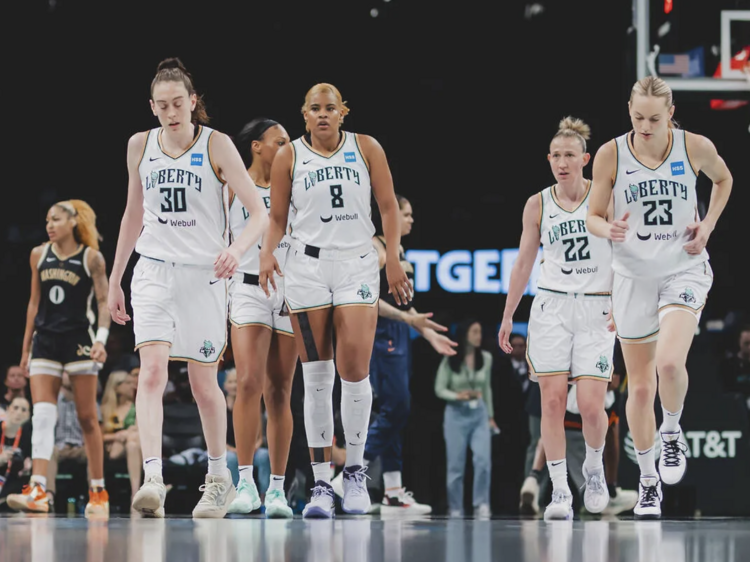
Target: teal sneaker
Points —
{"points": [[247, 499], [276, 505]]}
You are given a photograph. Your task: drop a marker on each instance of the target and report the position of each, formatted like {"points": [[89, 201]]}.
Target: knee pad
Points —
{"points": [[356, 404], [319, 377], [43, 430]]}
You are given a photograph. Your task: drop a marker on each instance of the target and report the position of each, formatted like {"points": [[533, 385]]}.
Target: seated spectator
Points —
{"points": [[15, 384], [119, 430], [15, 448], [735, 371]]}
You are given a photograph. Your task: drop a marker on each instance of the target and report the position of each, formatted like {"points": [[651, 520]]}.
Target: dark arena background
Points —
{"points": [[465, 98]]}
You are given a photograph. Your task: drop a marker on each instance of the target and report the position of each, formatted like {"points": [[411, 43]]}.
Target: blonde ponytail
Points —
{"points": [[85, 231], [572, 127]]}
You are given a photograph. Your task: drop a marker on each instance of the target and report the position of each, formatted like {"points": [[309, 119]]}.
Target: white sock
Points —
{"points": [[558, 473], [276, 483], [671, 421], [41, 480], [593, 462], [647, 463], [151, 467], [322, 471], [217, 466], [356, 403], [97, 483], [392, 482], [246, 473]]}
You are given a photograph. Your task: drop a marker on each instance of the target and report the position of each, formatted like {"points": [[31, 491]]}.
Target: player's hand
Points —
{"points": [[440, 343], [399, 284], [116, 304], [421, 321], [227, 262], [610, 322], [618, 229], [699, 233], [25, 357], [98, 352], [503, 336], [268, 266], [463, 395]]}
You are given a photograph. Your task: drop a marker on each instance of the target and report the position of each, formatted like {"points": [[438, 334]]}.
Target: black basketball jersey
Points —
{"points": [[67, 292], [384, 294]]}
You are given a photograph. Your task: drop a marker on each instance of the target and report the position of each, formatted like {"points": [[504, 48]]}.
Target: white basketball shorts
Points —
{"points": [[249, 305], [638, 304], [568, 336], [330, 277], [183, 306]]}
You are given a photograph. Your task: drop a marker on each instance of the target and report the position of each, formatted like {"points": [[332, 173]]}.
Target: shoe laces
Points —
{"points": [[358, 476], [649, 496], [406, 497], [211, 492], [321, 490], [594, 483], [558, 496], [671, 451]]}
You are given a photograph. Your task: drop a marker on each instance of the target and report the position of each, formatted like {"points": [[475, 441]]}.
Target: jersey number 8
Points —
{"points": [[174, 200], [337, 201]]}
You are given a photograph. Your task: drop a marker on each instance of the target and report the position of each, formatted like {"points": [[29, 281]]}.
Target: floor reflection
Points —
{"points": [[49, 539]]}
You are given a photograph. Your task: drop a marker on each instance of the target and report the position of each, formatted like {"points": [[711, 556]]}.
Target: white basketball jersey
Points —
{"points": [[238, 219], [573, 260], [331, 196], [184, 204], [662, 203]]}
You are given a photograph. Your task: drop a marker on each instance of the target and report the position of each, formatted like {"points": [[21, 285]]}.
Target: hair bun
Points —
{"points": [[172, 62]]}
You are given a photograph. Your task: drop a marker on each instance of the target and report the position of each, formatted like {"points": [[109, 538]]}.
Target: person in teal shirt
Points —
{"points": [[463, 381]]}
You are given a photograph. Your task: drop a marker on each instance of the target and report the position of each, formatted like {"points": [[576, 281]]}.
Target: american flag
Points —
{"points": [[674, 64]]}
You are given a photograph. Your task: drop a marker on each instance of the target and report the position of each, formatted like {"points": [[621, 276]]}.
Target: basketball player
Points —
{"points": [[262, 338], [66, 274], [332, 280], [569, 340], [389, 372], [661, 267], [176, 212]]}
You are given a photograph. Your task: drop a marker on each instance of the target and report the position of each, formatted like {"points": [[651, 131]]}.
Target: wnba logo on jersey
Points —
{"points": [[678, 169]]}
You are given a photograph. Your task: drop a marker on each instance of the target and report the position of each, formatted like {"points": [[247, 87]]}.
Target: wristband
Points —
{"points": [[101, 335]]}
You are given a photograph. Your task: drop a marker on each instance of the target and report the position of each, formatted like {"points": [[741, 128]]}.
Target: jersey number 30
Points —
{"points": [[174, 200]]}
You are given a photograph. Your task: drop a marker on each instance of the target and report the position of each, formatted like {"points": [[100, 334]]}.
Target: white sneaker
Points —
{"points": [[672, 461], [149, 500], [321, 504], [277, 506], [403, 503], [218, 493], [356, 497], [649, 499], [560, 508], [247, 499], [529, 497], [625, 500], [483, 512], [596, 496]]}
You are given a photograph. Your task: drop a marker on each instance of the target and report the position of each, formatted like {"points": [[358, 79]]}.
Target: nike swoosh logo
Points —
{"points": [[214, 281], [360, 400], [329, 219], [51, 259], [641, 237], [628, 172], [367, 254], [391, 349], [557, 463], [152, 159], [566, 271], [553, 216], [605, 312], [308, 161], [319, 389], [165, 221]]}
